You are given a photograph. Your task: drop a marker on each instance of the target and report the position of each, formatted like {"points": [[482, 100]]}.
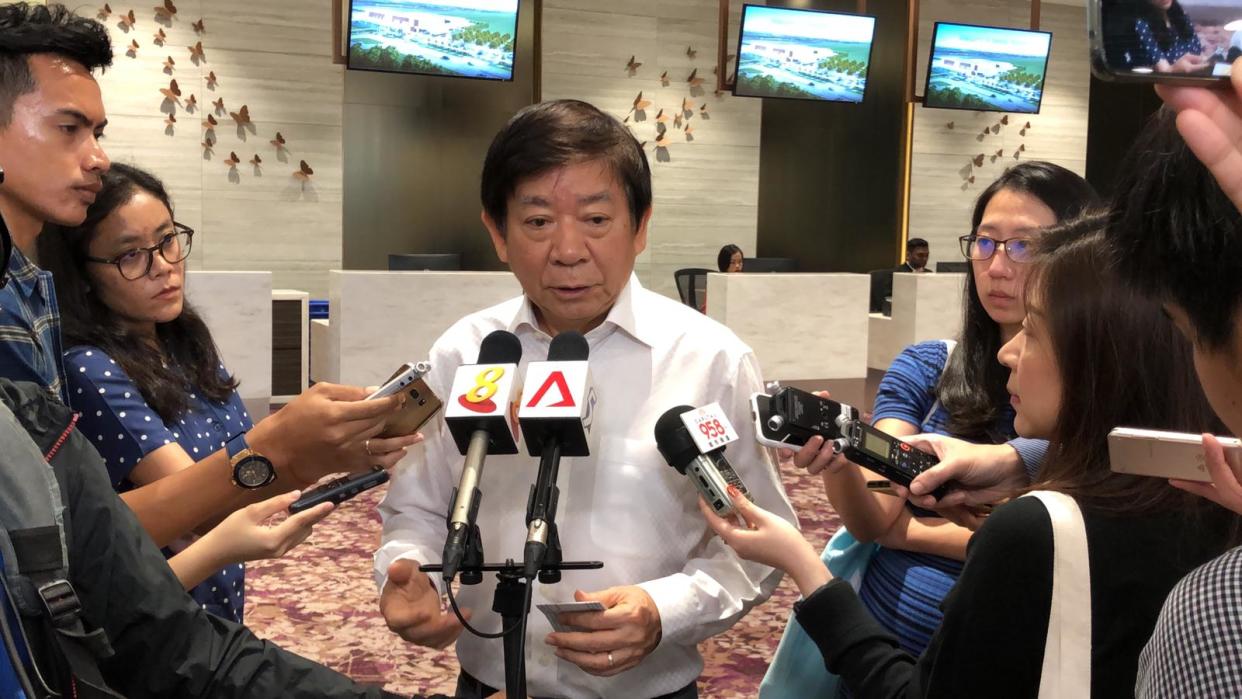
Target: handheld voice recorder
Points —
{"points": [[885, 454], [791, 416]]}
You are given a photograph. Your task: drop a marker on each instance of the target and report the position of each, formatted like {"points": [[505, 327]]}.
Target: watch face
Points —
{"points": [[253, 472]]}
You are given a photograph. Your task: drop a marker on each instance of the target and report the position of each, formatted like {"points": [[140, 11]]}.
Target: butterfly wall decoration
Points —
{"points": [[303, 172]]}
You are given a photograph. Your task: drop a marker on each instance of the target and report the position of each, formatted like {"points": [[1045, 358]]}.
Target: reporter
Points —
{"points": [[1178, 234], [1090, 356], [957, 390], [154, 398]]}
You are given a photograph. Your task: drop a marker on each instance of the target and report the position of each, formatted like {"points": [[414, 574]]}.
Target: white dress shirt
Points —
{"points": [[623, 505]]}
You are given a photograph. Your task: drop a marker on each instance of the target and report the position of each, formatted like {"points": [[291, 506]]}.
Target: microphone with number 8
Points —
{"points": [[693, 442], [557, 413], [477, 415]]}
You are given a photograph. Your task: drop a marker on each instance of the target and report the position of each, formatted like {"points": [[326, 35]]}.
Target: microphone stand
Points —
{"points": [[511, 599]]}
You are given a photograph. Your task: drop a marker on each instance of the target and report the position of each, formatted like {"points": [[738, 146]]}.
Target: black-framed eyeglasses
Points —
{"points": [[1019, 250], [136, 264]]}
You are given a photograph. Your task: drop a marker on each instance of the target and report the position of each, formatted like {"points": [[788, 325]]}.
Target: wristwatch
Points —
{"points": [[250, 468]]}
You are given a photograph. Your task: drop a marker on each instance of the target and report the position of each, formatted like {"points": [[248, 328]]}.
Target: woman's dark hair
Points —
{"points": [[191, 360], [556, 133], [972, 387], [1122, 364], [725, 256], [27, 29], [1178, 236]]}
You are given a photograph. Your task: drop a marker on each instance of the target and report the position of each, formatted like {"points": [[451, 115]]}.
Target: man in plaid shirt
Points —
{"points": [[1178, 230]]}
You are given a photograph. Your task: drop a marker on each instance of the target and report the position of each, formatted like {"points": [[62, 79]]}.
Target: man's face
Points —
{"points": [[1219, 370], [571, 243], [50, 148], [917, 257]]}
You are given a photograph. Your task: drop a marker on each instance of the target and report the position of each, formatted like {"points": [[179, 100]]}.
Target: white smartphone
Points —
{"points": [[406, 375], [1141, 452]]}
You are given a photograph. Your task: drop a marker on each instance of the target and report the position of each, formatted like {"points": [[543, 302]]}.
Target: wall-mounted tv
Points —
{"points": [[803, 54], [457, 38], [990, 69]]}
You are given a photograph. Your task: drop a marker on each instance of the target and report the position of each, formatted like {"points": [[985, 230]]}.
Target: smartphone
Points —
{"points": [[1191, 42], [1162, 454], [405, 375], [339, 490], [421, 402]]}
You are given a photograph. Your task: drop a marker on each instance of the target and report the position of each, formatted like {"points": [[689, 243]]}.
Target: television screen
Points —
{"points": [[803, 54], [459, 38], [986, 68]]}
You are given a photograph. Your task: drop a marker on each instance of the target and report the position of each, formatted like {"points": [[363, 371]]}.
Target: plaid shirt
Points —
{"points": [[1196, 650], [30, 348]]}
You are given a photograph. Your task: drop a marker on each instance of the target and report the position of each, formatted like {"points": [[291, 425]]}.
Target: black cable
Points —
{"points": [[500, 634]]}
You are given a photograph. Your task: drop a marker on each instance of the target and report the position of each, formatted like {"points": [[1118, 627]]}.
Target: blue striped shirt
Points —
{"points": [[903, 590], [30, 347]]}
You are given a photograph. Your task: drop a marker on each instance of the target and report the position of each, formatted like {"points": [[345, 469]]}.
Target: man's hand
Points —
{"points": [[329, 429], [411, 608], [1210, 121], [983, 474], [615, 639], [1226, 470]]}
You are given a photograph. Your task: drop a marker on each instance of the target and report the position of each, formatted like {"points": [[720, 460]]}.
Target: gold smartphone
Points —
{"points": [[421, 404]]}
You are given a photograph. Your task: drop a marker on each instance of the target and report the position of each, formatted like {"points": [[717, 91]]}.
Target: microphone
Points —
{"points": [[477, 415], [556, 421], [693, 441]]}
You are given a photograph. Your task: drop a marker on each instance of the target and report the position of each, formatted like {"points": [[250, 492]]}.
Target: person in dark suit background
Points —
{"points": [[917, 254]]}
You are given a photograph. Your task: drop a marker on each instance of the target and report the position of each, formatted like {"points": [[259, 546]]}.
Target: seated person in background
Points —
{"points": [[1178, 234], [1074, 374], [917, 254], [955, 389], [1152, 34], [729, 259], [566, 196], [146, 377]]}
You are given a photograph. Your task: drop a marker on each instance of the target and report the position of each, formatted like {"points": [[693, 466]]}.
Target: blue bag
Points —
{"points": [[797, 670]]}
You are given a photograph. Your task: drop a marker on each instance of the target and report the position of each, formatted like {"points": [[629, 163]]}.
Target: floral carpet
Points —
{"points": [[319, 601]]}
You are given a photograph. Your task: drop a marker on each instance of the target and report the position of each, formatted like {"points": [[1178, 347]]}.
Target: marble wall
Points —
{"points": [[925, 307], [706, 193], [237, 308], [275, 57], [941, 199]]}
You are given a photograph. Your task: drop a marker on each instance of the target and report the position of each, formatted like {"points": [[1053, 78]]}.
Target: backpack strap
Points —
{"points": [[36, 558]]}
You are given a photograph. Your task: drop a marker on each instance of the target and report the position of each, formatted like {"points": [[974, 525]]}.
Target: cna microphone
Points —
{"points": [[693, 441], [477, 415], [557, 413]]}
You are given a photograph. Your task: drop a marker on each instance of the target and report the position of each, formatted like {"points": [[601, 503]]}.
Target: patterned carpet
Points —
{"points": [[320, 602]]}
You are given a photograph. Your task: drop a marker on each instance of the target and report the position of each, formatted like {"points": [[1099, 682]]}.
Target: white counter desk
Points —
{"points": [[379, 320], [237, 308], [925, 307], [801, 326]]}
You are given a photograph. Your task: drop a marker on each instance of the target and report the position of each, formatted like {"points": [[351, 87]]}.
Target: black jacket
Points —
{"points": [[165, 644]]}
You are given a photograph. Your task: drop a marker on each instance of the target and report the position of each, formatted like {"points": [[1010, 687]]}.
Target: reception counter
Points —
{"points": [[237, 308], [925, 307], [801, 326], [379, 320]]}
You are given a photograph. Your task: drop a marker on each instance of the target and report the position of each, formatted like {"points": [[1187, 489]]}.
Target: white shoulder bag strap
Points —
{"points": [[1067, 652]]}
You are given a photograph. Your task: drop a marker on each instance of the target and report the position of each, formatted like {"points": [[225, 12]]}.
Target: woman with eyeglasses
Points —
{"points": [[147, 380], [954, 388]]}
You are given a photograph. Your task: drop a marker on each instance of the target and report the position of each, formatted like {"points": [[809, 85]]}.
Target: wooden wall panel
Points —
{"points": [[940, 199], [275, 57]]}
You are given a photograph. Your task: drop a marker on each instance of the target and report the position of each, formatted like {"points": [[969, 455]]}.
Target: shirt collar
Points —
{"points": [[624, 315], [22, 271]]}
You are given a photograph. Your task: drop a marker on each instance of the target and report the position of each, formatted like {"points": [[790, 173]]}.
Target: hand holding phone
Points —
{"points": [[421, 403]]}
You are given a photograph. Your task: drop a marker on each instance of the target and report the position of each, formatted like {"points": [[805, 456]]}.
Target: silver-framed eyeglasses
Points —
{"points": [[136, 264], [1019, 250]]}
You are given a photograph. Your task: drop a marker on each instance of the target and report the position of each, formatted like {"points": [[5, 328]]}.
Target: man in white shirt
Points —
{"points": [[567, 198]]}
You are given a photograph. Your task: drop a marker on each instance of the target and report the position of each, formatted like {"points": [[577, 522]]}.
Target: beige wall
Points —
{"points": [[940, 200], [275, 57], [707, 194]]}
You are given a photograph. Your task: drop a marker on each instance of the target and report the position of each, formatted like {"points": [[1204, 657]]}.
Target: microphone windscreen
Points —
{"points": [[674, 440], [569, 346], [500, 347]]}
